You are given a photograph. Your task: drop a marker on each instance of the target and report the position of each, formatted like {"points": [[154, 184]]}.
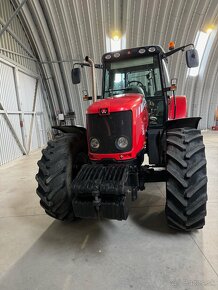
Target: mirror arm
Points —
{"points": [[82, 64], [182, 48]]}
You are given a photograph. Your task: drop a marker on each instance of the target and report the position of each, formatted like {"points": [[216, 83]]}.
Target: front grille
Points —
{"points": [[108, 128]]}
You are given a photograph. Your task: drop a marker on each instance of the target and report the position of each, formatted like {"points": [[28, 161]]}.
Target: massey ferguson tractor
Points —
{"points": [[97, 171]]}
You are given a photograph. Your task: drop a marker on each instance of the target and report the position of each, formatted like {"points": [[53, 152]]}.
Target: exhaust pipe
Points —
{"points": [[92, 64]]}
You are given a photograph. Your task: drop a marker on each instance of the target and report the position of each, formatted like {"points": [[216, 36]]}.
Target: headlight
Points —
{"points": [[94, 143], [122, 142]]}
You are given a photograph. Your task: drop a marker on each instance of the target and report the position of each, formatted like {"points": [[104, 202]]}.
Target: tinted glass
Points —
{"points": [[143, 72]]}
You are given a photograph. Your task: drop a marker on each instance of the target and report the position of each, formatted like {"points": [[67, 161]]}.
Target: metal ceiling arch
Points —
{"points": [[72, 29]]}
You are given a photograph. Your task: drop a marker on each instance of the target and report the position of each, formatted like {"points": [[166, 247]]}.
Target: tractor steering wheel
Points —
{"points": [[138, 83]]}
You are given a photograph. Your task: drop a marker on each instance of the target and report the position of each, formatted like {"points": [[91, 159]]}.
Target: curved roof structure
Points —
{"points": [[66, 31]]}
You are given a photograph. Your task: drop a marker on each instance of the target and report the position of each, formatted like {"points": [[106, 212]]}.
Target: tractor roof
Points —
{"points": [[132, 52]]}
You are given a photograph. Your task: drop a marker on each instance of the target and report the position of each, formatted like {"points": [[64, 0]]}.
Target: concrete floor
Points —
{"points": [[37, 252]]}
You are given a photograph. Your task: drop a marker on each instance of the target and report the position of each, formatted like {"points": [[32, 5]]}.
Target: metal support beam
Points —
{"points": [[46, 103], [38, 132], [12, 17], [33, 117], [59, 61], [19, 54], [18, 112], [21, 116], [7, 119], [40, 62], [17, 39]]}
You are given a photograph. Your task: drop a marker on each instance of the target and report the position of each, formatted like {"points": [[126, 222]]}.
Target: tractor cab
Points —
{"points": [[138, 70]]}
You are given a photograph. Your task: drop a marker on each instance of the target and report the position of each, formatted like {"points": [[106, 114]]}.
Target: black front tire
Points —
{"points": [[59, 165], [186, 188]]}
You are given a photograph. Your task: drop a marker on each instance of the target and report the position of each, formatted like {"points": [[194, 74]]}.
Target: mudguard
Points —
{"points": [[182, 123], [181, 107], [70, 129]]}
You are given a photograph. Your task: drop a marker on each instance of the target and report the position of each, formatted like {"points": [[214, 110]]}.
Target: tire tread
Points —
{"points": [[187, 180], [53, 173]]}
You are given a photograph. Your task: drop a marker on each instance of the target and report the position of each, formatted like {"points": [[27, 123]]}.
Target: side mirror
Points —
{"points": [[192, 58], [75, 74]]}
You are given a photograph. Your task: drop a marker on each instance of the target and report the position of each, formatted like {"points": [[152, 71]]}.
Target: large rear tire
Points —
{"points": [[59, 165], [186, 188]]}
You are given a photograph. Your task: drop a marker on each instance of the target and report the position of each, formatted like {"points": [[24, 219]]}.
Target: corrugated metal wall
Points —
{"points": [[74, 29], [14, 43], [24, 122], [9, 149]]}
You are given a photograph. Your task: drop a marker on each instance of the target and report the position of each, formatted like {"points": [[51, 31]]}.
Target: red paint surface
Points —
{"points": [[135, 103], [181, 107]]}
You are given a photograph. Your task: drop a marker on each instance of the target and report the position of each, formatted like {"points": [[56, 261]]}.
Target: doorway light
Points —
{"points": [[115, 43], [210, 28]]}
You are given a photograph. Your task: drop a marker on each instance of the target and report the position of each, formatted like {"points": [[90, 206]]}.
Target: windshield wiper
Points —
{"points": [[111, 90]]}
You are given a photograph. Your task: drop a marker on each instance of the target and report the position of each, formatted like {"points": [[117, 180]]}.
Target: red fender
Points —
{"points": [[181, 107]]}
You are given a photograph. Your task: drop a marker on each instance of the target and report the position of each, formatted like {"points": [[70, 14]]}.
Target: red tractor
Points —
{"points": [[98, 170]]}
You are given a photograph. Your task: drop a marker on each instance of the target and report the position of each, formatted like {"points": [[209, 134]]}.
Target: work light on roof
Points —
{"points": [[151, 49], [108, 56], [142, 50], [117, 54]]}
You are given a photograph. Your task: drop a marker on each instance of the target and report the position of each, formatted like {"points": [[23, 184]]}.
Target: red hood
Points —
{"points": [[123, 102]]}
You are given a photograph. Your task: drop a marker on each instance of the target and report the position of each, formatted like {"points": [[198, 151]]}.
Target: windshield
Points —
{"points": [[137, 74]]}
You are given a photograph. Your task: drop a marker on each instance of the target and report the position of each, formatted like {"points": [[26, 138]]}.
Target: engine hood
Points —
{"points": [[117, 103]]}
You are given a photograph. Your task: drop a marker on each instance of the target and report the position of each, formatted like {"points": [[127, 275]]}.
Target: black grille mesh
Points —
{"points": [[108, 128]]}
